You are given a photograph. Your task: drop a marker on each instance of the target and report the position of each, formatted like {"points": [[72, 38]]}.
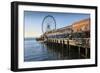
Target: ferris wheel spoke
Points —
{"points": [[48, 24]]}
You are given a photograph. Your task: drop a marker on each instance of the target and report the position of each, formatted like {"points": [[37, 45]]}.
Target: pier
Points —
{"points": [[76, 35], [83, 45]]}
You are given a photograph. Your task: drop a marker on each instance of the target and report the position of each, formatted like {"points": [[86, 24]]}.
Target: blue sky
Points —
{"points": [[33, 21]]}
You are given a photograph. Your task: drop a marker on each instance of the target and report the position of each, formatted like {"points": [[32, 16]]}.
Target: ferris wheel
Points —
{"points": [[48, 24]]}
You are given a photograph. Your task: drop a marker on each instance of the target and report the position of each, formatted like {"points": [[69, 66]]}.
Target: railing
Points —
{"points": [[83, 42]]}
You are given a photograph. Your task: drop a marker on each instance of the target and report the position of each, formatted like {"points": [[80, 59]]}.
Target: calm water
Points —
{"points": [[36, 51]]}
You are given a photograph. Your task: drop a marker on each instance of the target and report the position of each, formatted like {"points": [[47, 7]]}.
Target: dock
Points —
{"points": [[81, 43]]}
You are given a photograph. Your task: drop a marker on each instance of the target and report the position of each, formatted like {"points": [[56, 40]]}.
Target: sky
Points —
{"points": [[33, 21]]}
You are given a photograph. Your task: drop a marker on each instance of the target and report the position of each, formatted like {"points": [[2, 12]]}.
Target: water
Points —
{"points": [[36, 51]]}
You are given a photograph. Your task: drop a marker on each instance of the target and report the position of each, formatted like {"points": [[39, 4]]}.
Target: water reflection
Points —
{"points": [[36, 51]]}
